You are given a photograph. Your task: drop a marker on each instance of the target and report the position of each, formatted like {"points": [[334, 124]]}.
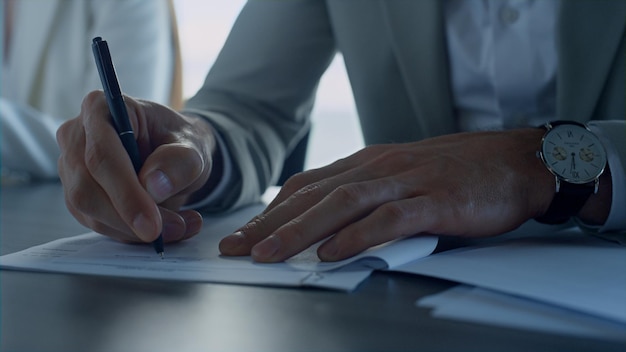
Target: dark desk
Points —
{"points": [[56, 312]]}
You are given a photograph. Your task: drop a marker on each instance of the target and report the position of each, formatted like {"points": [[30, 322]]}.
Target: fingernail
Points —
{"points": [[267, 248], [234, 240], [159, 186], [144, 229]]}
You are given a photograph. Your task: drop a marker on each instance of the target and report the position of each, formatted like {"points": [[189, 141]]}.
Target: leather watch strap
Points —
{"points": [[567, 202]]}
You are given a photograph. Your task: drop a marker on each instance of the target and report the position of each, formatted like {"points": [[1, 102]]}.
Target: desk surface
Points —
{"points": [[57, 312]]}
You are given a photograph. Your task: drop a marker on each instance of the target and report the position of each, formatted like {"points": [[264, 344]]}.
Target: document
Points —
{"points": [[198, 259], [484, 306], [569, 270]]}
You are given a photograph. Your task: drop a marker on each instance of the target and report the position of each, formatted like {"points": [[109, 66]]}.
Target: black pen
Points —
{"points": [[117, 107]]}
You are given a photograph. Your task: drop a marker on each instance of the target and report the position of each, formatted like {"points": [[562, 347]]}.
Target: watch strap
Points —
{"points": [[567, 202]]}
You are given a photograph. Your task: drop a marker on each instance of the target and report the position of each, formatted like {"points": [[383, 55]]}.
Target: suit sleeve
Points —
{"points": [[259, 93], [28, 142], [613, 135]]}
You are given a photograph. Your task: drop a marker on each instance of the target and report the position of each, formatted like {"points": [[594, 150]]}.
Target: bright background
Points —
{"points": [[203, 27]]}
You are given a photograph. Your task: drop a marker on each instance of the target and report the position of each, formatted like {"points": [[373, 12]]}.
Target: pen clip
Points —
{"points": [[111, 86], [105, 68]]}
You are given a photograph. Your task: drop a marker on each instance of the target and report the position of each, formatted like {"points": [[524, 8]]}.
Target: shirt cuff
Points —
{"points": [[219, 191], [616, 220]]}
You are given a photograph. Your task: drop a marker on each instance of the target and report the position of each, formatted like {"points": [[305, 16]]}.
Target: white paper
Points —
{"points": [[474, 304], [576, 272], [198, 259]]}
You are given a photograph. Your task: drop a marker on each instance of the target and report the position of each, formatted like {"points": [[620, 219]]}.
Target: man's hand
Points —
{"points": [[101, 188], [469, 184]]}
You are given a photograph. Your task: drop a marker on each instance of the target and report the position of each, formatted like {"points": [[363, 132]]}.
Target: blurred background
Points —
{"points": [[203, 28]]}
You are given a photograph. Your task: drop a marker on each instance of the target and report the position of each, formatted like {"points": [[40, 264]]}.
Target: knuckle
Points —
{"points": [[255, 226], [394, 213], [92, 98], [312, 191], [79, 199], [365, 155], [348, 195], [294, 183], [194, 165], [63, 132], [399, 157], [69, 134], [95, 156]]}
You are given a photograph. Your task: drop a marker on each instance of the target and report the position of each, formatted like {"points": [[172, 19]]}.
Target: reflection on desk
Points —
{"points": [[59, 312]]}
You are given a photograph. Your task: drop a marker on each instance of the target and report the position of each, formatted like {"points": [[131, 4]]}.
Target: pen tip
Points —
{"points": [[162, 255]]}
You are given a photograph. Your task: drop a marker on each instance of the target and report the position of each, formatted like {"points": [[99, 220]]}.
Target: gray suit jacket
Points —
{"points": [[260, 92]]}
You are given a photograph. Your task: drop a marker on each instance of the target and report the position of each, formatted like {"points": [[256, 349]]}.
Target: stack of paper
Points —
{"points": [[198, 259], [570, 272]]}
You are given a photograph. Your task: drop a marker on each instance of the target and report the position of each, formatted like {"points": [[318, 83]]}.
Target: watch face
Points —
{"points": [[573, 153]]}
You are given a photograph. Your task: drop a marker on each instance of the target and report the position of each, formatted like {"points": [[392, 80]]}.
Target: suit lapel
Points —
{"points": [[424, 68], [589, 34], [33, 26]]}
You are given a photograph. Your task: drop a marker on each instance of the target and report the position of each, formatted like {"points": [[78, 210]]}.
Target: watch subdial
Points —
{"points": [[559, 153], [586, 154]]}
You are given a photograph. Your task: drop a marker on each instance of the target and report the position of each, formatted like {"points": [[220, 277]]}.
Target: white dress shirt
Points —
{"points": [[503, 62]]}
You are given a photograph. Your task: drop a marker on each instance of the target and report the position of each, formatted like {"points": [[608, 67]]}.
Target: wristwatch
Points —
{"points": [[576, 158]]}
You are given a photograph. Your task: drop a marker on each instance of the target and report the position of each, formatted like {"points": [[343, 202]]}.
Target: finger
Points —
{"points": [[344, 205], [86, 207], [102, 228], [172, 169], [193, 222], [176, 227], [110, 166], [297, 202], [94, 210], [180, 226], [264, 224], [338, 167], [390, 221], [301, 182]]}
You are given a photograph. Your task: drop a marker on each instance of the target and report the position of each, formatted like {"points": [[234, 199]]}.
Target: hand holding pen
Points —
{"points": [[117, 107]]}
